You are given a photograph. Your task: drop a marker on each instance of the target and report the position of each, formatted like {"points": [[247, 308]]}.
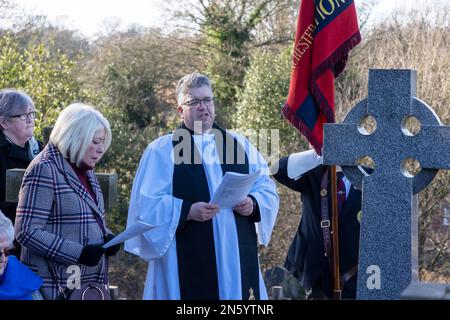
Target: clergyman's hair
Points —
{"points": [[75, 129], [6, 228], [191, 81], [14, 102]]}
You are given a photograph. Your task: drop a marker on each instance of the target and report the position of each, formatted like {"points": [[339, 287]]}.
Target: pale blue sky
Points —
{"points": [[87, 15]]}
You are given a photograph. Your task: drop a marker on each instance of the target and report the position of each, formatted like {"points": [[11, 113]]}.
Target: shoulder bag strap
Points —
{"points": [[325, 223]]}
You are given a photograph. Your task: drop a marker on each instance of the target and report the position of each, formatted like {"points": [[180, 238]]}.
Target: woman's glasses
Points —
{"points": [[6, 252], [25, 116]]}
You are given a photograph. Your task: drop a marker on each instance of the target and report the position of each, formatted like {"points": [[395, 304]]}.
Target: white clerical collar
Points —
{"points": [[203, 140]]}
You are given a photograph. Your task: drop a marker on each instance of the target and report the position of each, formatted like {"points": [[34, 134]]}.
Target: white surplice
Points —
{"points": [[152, 202]]}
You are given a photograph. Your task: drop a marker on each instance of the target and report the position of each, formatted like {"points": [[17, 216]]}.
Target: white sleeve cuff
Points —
{"points": [[301, 162]]}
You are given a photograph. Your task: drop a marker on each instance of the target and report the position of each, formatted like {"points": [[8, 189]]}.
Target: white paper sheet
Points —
{"points": [[233, 189], [133, 231]]}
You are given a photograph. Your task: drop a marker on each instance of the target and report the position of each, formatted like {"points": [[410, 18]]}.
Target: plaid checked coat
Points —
{"points": [[56, 219]]}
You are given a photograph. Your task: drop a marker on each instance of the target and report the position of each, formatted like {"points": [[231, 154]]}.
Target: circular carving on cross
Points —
{"points": [[411, 126], [420, 111]]}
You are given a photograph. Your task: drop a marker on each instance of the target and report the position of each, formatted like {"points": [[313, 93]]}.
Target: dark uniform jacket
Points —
{"points": [[306, 258], [12, 157]]}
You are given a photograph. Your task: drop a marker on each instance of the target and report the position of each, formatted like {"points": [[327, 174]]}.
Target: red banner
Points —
{"points": [[326, 32]]}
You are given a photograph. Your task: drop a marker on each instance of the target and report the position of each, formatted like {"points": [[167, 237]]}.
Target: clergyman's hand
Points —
{"points": [[245, 207], [202, 211]]}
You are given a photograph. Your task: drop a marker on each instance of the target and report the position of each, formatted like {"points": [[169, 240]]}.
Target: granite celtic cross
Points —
{"points": [[389, 227]]}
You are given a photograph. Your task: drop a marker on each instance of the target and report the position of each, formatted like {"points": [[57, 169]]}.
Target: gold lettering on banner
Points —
{"points": [[302, 45], [324, 9], [319, 12]]}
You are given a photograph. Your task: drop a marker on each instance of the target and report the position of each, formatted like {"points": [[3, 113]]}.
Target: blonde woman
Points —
{"points": [[60, 214]]}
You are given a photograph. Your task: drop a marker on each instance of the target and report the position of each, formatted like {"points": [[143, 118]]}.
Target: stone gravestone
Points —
{"points": [[281, 285], [107, 182], [389, 226], [46, 134]]}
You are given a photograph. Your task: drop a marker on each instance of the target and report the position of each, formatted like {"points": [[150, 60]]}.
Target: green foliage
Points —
{"points": [[123, 156], [136, 74], [227, 28], [132, 85], [47, 78], [260, 101], [56, 39]]}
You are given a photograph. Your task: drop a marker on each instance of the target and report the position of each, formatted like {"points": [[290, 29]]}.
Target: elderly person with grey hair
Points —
{"points": [[200, 250], [17, 281], [17, 144], [60, 215]]}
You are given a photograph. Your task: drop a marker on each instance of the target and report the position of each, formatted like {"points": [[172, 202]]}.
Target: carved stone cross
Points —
{"points": [[389, 227]]}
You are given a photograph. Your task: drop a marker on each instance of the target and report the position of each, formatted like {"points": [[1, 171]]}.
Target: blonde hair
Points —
{"points": [[75, 129]]}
